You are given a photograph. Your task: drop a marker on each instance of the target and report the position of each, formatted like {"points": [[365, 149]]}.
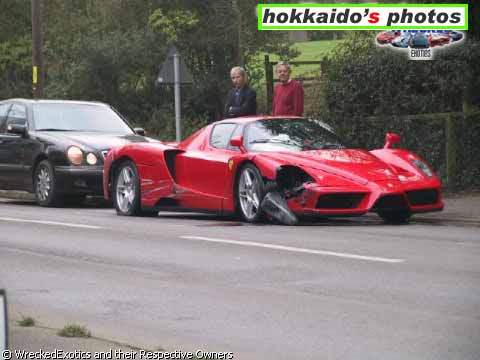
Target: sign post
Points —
{"points": [[174, 71], [178, 107]]}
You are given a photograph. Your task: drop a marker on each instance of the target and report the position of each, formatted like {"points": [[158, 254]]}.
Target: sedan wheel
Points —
{"points": [[250, 192], [44, 184], [127, 190]]}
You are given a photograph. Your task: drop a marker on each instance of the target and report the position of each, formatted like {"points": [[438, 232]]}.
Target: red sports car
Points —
{"points": [[270, 167], [387, 37], [439, 39]]}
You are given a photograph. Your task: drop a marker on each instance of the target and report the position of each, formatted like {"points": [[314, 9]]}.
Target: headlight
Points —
{"points": [[75, 155], [422, 167], [91, 159]]}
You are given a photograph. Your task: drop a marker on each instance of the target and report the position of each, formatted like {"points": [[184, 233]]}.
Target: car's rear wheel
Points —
{"points": [[250, 193], [126, 190], [395, 217], [44, 184]]}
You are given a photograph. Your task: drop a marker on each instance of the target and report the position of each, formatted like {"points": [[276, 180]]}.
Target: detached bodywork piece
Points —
{"points": [[270, 167]]}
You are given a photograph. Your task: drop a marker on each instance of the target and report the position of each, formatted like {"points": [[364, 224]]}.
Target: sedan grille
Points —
{"points": [[423, 197], [340, 201]]}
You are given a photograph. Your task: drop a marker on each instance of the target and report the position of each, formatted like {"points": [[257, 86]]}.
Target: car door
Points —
{"points": [[4, 107], [207, 169], [11, 150]]}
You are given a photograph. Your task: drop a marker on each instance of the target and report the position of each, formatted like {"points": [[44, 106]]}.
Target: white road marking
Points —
{"points": [[53, 223], [294, 249]]}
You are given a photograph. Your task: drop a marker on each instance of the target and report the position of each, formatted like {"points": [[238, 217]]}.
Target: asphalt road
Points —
{"points": [[343, 289]]}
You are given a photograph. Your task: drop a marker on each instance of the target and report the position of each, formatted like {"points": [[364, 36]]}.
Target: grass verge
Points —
{"points": [[74, 330]]}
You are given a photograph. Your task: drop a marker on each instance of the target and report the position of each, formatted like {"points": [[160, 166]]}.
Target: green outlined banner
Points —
{"points": [[362, 16]]}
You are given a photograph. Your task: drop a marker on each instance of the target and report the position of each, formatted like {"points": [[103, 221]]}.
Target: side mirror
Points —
{"points": [[237, 141], [390, 139], [18, 129], [140, 131], [3, 321]]}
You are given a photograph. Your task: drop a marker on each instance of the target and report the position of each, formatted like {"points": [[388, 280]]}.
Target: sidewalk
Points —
{"points": [[459, 208]]}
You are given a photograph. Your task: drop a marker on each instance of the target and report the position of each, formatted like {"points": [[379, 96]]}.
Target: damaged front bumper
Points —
{"points": [[319, 201]]}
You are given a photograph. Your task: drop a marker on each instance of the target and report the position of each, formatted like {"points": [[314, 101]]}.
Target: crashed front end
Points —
{"points": [[301, 192]]}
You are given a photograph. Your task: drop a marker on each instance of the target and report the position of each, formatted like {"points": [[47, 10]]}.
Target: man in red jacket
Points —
{"points": [[288, 94]]}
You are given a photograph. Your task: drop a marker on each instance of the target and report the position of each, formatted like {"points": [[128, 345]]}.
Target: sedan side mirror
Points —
{"points": [[140, 131], [237, 141], [18, 129], [390, 139], [3, 321]]}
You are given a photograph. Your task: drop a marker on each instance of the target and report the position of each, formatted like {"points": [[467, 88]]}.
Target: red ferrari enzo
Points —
{"points": [[270, 167]]}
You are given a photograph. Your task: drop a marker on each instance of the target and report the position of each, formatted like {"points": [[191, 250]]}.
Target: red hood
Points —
{"points": [[357, 165]]}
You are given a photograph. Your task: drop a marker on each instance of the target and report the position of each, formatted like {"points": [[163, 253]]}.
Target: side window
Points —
{"points": [[17, 115], [3, 116], [221, 134]]}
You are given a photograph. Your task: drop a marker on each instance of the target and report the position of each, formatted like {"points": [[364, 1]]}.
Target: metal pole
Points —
{"points": [[178, 108], [37, 54], [451, 152], [269, 83]]}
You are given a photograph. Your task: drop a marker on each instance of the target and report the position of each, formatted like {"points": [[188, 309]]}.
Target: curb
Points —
{"points": [[16, 195]]}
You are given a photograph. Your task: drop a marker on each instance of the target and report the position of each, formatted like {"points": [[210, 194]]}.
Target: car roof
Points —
{"points": [[46, 101], [250, 119]]}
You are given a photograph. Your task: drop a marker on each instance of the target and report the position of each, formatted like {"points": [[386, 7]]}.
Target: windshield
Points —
{"points": [[290, 135], [78, 117]]}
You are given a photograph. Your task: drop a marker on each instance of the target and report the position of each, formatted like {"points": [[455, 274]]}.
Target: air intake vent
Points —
{"points": [[423, 197], [340, 201]]}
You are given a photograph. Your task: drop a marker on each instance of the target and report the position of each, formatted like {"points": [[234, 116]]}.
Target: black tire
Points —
{"points": [[241, 196], [126, 193], [396, 217], [44, 185]]}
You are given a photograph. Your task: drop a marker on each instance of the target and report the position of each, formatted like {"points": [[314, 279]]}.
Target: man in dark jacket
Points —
{"points": [[241, 99]]}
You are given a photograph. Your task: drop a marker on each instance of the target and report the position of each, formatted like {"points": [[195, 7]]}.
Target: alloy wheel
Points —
{"points": [[249, 193], [44, 184], [126, 189]]}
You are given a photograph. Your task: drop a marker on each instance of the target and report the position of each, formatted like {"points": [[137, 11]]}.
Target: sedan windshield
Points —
{"points": [[78, 117], [290, 135]]}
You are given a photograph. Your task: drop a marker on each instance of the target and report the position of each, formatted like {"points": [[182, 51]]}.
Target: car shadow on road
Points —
{"points": [[215, 220]]}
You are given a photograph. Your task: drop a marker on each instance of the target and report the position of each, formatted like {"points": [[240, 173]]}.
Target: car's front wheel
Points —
{"points": [[126, 190], [250, 193], [44, 184]]}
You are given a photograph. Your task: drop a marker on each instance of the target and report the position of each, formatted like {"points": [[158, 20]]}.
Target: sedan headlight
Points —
{"points": [[91, 159], [75, 155], [422, 167]]}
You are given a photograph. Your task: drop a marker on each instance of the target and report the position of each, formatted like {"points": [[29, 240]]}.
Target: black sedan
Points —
{"points": [[55, 149]]}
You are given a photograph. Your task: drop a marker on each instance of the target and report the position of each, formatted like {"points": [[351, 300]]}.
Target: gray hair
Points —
{"points": [[240, 69], [286, 64]]}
